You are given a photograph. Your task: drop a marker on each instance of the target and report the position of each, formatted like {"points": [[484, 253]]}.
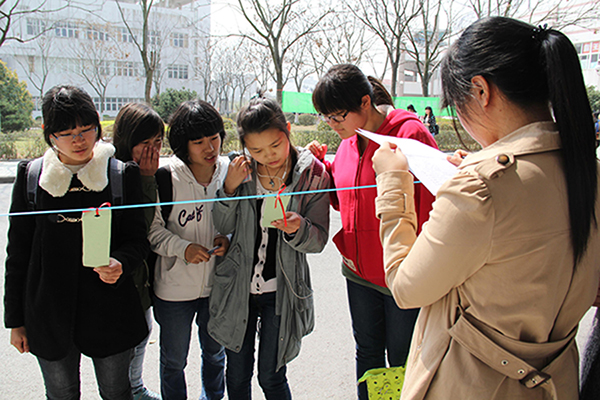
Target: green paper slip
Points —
{"points": [[96, 237], [273, 210]]}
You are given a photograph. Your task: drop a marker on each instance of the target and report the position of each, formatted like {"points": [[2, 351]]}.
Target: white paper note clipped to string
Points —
{"points": [[429, 165]]}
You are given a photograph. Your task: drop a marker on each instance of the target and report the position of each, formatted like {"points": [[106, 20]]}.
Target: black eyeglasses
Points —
{"points": [[335, 118]]}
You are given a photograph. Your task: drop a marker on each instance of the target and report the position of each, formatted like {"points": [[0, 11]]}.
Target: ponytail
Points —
{"points": [[573, 115]]}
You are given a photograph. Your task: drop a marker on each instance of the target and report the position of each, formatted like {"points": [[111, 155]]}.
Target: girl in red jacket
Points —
{"points": [[344, 97]]}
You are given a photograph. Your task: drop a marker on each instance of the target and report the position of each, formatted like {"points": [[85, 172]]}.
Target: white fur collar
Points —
{"points": [[56, 178]]}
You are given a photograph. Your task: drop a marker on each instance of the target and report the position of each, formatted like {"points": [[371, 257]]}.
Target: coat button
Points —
{"points": [[503, 159]]}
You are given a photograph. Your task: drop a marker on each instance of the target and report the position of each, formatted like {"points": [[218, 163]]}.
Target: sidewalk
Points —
{"points": [[8, 171]]}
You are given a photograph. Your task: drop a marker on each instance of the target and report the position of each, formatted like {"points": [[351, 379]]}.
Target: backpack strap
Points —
{"points": [[34, 169], [165, 190], [115, 174], [316, 175]]}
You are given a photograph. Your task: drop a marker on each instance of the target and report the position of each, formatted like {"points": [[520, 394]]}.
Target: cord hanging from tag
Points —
{"points": [[97, 209], [278, 200]]}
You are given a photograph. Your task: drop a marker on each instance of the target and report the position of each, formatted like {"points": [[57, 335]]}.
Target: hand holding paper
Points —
{"points": [[429, 165], [111, 273]]}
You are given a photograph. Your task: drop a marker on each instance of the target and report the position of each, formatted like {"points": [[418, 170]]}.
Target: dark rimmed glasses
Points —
{"points": [[335, 118]]}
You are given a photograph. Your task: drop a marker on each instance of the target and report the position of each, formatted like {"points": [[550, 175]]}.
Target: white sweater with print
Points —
{"points": [[174, 278]]}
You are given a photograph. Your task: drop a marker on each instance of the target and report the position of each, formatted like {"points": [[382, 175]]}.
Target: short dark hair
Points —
{"points": [[65, 107], [135, 123], [193, 120], [341, 88]]}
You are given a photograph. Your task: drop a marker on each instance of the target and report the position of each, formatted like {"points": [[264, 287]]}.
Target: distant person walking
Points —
{"points": [[429, 121]]}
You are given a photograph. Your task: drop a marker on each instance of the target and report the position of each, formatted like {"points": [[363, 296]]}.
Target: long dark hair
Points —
{"points": [[135, 123], [534, 68]]}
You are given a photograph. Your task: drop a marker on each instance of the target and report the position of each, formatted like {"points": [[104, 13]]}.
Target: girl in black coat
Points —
{"points": [[56, 307]]}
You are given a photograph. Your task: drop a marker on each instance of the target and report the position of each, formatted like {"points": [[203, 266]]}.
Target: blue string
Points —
{"points": [[144, 205]]}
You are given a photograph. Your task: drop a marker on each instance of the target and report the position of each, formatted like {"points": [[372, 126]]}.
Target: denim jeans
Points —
{"points": [[62, 377], [137, 363], [175, 319], [240, 366], [379, 326]]}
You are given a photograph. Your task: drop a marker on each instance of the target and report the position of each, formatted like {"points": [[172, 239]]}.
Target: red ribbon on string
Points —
{"points": [[278, 199], [107, 204]]}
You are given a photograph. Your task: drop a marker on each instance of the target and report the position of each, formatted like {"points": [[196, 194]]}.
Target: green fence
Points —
{"points": [[294, 102]]}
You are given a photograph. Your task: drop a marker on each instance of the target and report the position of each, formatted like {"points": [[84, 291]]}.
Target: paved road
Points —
{"points": [[324, 369]]}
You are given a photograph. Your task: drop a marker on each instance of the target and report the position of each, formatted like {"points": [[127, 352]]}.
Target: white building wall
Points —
{"points": [[97, 39]]}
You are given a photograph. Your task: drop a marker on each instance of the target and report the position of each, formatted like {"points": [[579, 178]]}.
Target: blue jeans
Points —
{"points": [[62, 377], [240, 366], [137, 363], [379, 326], [175, 319]]}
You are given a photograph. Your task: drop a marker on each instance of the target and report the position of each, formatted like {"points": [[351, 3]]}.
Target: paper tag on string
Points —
{"points": [[95, 225], [273, 211]]}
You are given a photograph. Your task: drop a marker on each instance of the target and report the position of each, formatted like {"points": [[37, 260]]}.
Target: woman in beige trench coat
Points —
{"points": [[509, 261]]}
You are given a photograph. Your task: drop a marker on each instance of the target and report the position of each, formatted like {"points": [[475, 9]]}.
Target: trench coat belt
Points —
{"points": [[497, 357]]}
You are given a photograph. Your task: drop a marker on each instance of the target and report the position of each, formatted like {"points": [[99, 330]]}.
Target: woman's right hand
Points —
{"points": [[319, 150], [195, 254], [18, 338], [388, 157], [456, 158], [238, 170], [149, 161]]}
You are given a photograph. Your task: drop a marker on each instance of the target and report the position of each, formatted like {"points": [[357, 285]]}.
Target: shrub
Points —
{"points": [[307, 119], [8, 147], [35, 147], [166, 102], [448, 140]]}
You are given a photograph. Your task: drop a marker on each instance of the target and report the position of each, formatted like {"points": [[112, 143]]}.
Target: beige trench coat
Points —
{"points": [[493, 273]]}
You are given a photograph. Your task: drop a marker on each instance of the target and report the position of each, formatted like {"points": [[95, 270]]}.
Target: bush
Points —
{"points": [[323, 134], [35, 147], [231, 142], [166, 102], [307, 119], [447, 140], [8, 147], [290, 117], [594, 97]]}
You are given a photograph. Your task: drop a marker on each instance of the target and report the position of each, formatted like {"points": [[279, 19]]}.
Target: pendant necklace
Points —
{"points": [[273, 177]]}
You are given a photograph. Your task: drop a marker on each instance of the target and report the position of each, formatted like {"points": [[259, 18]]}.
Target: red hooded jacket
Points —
{"points": [[358, 240]]}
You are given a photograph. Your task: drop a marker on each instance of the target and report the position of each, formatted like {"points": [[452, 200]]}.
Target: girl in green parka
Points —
{"points": [[265, 275]]}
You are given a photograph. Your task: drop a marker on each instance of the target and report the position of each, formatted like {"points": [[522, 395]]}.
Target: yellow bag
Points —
{"points": [[384, 383]]}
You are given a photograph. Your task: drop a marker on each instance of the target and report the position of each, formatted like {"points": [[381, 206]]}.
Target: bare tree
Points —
{"points": [[278, 28], [559, 13], [96, 71], [426, 39], [11, 13], [37, 63], [148, 53], [299, 66], [388, 20]]}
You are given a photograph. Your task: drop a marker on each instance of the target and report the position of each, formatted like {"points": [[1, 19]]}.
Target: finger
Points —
{"points": [[25, 344]]}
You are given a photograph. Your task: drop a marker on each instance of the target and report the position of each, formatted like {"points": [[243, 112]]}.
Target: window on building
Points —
{"points": [[35, 26], [37, 103], [126, 68], [578, 48], [177, 72], [31, 63], [96, 34], [154, 38], [126, 36], [110, 104], [66, 30], [105, 68], [179, 40], [585, 62], [593, 61]]}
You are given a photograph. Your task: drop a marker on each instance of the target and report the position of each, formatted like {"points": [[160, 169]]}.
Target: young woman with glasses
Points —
{"points": [[56, 307], [345, 99]]}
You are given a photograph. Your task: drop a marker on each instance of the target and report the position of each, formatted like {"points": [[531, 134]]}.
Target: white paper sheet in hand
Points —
{"points": [[429, 165]]}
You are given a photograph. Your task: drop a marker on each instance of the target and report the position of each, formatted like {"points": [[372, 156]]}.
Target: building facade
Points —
{"points": [[97, 45]]}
